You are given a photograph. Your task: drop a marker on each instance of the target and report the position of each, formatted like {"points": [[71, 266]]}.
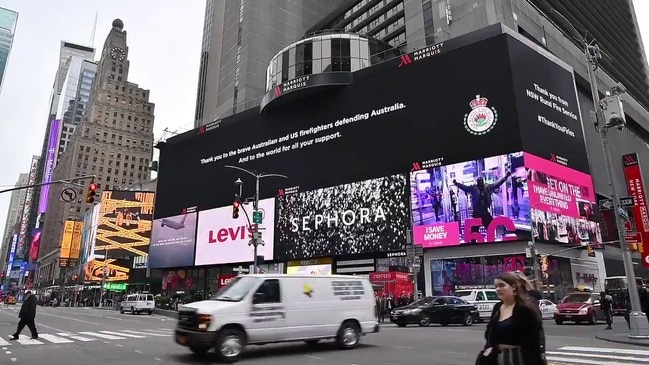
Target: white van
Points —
{"points": [[269, 308], [137, 303], [483, 299]]}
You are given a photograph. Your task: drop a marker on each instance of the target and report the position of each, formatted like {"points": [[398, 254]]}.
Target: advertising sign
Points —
{"points": [[636, 188], [29, 194], [563, 203], [66, 243], [75, 246], [225, 279], [223, 240], [90, 220], [173, 241], [113, 269], [366, 130], [36, 244], [548, 110], [317, 269], [124, 226], [484, 200], [50, 163], [12, 253], [360, 217]]}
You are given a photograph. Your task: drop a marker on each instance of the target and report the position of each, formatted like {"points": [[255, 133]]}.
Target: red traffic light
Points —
{"points": [[235, 209], [236, 204], [92, 186]]}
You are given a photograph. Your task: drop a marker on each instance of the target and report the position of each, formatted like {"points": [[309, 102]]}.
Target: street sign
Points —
{"points": [[68, 195], [627, 202], [257, 217], [606, 204], [632, 238], [623, 213], [419, 250]]}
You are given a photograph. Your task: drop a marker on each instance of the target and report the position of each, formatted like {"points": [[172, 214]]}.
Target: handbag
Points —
{"points": [[485, 360], [510, 356]]}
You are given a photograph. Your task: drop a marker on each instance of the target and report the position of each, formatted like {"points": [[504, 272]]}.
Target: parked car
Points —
{"points": [[547, 308], [579, 307], [444, 310], [483, 299]]}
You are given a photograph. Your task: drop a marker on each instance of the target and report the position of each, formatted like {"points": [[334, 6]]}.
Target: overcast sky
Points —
{"points": [[164, 38]]}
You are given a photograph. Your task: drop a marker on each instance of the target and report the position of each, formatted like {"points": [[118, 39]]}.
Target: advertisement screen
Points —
{"points": [[563, 203], [36, 244], [310, 270], [360, 217], [636, 188], [548, 111], [113, 269], [173, 241], [124, 226], [21, 251], [90, 219], [483, 200], [220, 239], [50, 163], [66, 243], [387, 119]]}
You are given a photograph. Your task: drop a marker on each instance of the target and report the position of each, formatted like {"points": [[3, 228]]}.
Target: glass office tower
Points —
{"points": [[8, 20]]}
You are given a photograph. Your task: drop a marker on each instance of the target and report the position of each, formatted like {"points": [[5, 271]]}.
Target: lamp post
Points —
{"points": [[255, 242]]}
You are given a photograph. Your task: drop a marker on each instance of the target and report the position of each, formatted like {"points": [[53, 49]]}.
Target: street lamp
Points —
{"points": [[255, 241], [603, 120]]}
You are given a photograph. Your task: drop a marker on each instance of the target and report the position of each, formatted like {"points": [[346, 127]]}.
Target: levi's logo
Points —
{"points": [[229, 234], [405, 60]]}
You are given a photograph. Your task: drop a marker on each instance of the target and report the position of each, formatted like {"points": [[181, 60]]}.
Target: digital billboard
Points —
{"points": [[173, 241], [50, 163], [66, 243], [124, 225], [378, 126], [360, 217], [90, 220], [24, 217], [113, 270], [220, 239], [483, 200], [36, 244], [636, 188]]}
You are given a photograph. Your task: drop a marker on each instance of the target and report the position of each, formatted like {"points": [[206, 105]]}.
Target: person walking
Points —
{"points": [[27, 316], [606, 303], [532, 297]]}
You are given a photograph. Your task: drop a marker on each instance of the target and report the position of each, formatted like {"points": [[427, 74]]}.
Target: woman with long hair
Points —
{"points": [[514, 331]]}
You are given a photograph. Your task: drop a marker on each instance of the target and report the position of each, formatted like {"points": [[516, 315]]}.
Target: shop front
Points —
{"points": [[392, 283]]}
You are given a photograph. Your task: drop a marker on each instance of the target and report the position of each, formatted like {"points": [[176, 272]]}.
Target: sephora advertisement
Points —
{"points": [[563, 203], [172, 241], [361, 217], [388, 118], [548, 110], [220, 239], [477, 201]]}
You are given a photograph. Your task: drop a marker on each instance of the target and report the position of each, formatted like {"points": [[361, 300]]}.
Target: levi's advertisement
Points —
{"points": [[483, 200], [563, 203], [635, 186], [361, 217], [220, 239]]}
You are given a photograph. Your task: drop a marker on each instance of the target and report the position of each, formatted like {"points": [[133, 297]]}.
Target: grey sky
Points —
{"points": [[164, 38]]}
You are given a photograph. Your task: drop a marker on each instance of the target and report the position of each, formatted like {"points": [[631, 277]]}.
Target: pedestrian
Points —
{"points": [[606, 303], [513, 334], [27, 316], [532, 297]]}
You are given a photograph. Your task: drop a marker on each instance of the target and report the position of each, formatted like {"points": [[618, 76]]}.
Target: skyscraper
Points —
{"points": [[16, 204], [114, 141], [239, 38], [8, 21]]}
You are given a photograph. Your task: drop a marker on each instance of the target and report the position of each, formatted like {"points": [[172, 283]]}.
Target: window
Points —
{"points": [[492, 295], [268, 292], [480, 297], [440, 301]]}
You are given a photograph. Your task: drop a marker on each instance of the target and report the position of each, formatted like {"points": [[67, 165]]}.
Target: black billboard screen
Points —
{"points": [[448, 107], [548, 110]]}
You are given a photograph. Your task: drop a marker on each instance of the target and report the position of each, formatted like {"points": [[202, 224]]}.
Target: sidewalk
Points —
{"points": [[620, 334]]}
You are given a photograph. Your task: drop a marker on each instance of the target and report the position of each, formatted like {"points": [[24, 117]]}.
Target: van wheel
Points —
{"points": [[150, 312], [349, 335], [229, 345], [121, 310]]}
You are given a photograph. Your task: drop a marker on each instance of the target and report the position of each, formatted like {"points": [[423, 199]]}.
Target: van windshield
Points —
{"points": [[238, 288]]}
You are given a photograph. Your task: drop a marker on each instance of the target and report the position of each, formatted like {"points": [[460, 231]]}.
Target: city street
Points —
{"points": [[76, 336]]}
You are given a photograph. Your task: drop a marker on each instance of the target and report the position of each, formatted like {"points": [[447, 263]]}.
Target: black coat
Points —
{"points": [[527, 329], [28, 309]]}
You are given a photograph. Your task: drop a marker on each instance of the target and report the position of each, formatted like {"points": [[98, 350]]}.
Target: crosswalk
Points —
{"points": [[570, 355], [85, 336]]}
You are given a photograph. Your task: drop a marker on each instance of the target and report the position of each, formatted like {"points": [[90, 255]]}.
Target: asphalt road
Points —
{"points": [[80, 336]]}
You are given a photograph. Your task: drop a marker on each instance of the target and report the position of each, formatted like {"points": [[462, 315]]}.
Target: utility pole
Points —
{"points": [[256, 236], [62, 181]]}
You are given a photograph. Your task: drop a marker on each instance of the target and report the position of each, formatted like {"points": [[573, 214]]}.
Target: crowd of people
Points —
{"points": [[385, 231]]}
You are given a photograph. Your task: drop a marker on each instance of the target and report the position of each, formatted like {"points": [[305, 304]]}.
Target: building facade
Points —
{"points": [[16, 204], [114, 142], [239, 39], [8, 22]]}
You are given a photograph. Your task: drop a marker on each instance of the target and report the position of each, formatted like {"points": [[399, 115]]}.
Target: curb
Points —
{"points": [[642, 343]]}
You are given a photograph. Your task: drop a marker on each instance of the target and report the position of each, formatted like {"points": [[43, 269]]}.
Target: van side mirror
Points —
{"points": [[258, 297]]}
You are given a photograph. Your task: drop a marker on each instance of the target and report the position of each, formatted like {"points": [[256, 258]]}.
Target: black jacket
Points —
{"points": [[28, 309], [527, 328]]}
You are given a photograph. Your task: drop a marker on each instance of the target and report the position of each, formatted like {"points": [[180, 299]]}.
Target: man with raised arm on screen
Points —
{"points": [[481, 198]]}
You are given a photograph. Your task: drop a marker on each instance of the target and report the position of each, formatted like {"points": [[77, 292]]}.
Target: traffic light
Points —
{"points": [[591, 252], [235, 209], [92, 191], [75, 278]]}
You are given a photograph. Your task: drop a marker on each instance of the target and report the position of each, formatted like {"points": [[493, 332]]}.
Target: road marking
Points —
{"points": [[157, 359], [138, 351], [604, 350], [69, 318], [52, 328], [148, 333], [120, 345], [28, 341], [54, 339], [4, 342], [80, 338], [121, 334], [313, 357], [597, 356], [119, 319], [404, 347], [162, 330], [102, 335], [13, 359], [8, 352]]}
